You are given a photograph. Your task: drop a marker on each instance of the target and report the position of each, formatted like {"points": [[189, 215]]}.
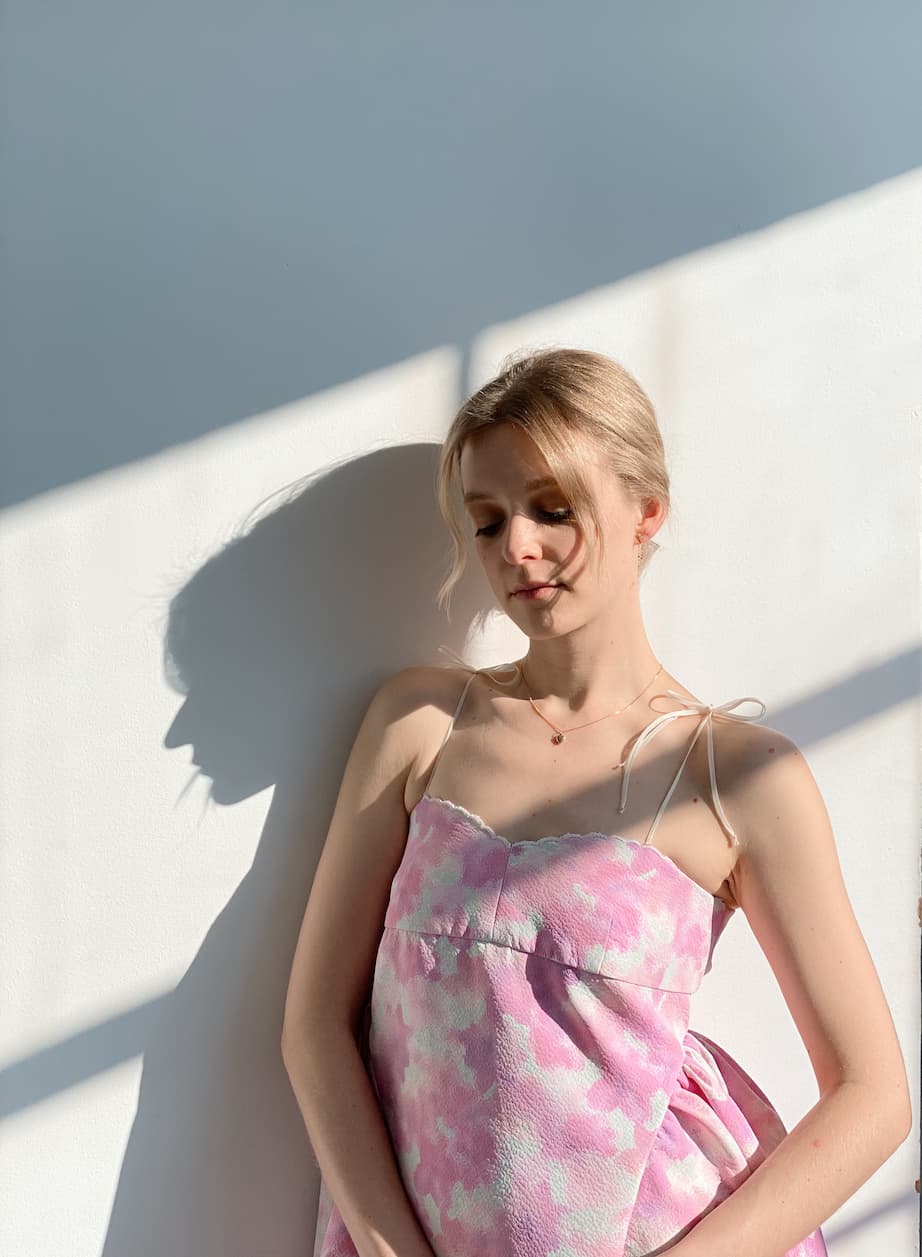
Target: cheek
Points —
{"points": [[489, 558]]}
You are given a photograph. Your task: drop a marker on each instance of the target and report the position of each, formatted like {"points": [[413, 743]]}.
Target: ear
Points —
{"points": [[652, 516]]}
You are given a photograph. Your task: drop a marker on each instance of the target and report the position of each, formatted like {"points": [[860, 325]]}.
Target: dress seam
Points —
{"points": [[523, 951]]}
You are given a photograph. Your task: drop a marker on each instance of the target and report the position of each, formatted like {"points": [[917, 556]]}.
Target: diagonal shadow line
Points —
{"points": [[860, 695], [81, 1056], [904, 1200], [838, 706]]}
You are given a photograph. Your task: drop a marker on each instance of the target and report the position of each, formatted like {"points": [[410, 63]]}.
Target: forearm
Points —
{"points": [[352, 1144], [835, 1147]]}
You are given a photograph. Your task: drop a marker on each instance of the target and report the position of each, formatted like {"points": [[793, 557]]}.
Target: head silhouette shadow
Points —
{"points": [[277, 637]]}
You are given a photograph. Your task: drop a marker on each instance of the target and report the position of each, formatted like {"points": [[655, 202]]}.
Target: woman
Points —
{"points": [[529, 1084]]}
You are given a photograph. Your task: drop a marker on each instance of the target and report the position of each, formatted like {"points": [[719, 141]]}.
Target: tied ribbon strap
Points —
{"points": [[690, 708]]}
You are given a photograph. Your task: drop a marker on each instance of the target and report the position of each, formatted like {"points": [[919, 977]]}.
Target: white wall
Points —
{"points": [[148, 912]]}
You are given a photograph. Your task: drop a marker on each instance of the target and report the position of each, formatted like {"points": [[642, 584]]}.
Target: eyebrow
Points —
{"points": [[540, 482]]}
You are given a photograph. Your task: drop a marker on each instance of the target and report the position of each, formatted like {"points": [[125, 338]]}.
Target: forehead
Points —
{"points": [[501, 457], [504, 460]]}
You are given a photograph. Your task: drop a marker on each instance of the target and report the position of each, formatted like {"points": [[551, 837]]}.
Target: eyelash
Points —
{"points": [[555, 517]]}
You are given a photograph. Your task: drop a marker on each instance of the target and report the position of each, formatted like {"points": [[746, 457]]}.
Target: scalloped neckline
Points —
{"points": [[528, 842]]}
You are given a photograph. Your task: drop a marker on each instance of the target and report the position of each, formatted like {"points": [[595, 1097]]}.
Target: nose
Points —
{"points": [[522, 539]]}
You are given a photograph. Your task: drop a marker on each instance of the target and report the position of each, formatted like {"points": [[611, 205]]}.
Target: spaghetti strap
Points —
{"points": [[707, 712], [451, 725], [462, 663]]}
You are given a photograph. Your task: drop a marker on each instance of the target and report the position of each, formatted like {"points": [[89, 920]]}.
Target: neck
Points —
{"points": [[592, 671]]}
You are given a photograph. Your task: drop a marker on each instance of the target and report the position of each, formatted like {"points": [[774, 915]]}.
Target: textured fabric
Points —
{"points": [[528, 1040]]}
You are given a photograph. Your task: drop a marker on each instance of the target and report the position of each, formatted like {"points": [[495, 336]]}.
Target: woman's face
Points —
{"points": [[524, 532]]}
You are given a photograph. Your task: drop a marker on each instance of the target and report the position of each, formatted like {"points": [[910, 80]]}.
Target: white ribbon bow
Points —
{"points": [[691, 708]]}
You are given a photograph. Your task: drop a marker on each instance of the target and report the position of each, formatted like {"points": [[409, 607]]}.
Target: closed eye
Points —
{"points": [[554, 517]]}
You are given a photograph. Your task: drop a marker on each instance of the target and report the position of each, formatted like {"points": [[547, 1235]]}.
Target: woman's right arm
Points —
{"points": [[352, 1145], [331, 974]]}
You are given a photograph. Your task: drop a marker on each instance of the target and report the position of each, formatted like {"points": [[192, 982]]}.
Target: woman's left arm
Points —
{"points": [[789, 883]]}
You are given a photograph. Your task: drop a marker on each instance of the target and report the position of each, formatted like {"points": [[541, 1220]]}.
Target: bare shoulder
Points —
{"points": [[761, 769], [409, 700], [420, 684], [749, 748], [422, 698], [762, 774], [414, 698]]}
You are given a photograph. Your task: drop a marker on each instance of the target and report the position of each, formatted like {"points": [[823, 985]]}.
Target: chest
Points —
{"points": [[529, 789]]}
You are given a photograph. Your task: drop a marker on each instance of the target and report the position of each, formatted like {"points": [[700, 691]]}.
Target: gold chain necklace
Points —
{"points": [[560, 734]]}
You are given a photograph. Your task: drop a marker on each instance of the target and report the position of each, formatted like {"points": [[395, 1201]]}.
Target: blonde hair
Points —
{"points": [[564, 399]]}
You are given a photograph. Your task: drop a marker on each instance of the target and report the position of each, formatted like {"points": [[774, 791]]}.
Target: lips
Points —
{"points": [[536, 585]]}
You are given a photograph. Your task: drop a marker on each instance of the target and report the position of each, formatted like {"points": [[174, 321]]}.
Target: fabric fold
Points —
{"points": [[718, 1128]]}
